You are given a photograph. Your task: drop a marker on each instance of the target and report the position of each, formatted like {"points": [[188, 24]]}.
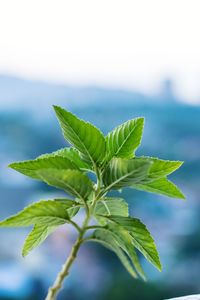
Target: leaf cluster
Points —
{"points": [[113, 160]]}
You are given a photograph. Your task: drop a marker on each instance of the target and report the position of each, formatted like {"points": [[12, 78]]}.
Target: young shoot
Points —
{"points": [[113, 160]]}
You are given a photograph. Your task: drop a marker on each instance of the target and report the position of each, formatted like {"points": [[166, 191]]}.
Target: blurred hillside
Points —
{"points": [[28, 127]]}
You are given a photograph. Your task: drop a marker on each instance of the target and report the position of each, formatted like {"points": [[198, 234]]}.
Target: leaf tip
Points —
{"points": [[15, 166], [180, 163], [56, 108], [142, 119], [24, 252], [141, 122], [182, 197], [12, 165], [159, 266]]}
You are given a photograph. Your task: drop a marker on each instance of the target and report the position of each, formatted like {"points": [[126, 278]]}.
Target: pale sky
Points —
{"points": [[123, 44]]}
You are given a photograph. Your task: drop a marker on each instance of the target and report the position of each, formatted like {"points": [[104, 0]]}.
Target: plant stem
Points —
{"points": [[57, 285], [54, 289]]}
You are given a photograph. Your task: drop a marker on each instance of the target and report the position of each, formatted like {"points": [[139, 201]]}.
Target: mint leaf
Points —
{"points": [[31, 167], [160, 168], [72, 181], [141, 238], [110, 206], [123, 173], [83, 136], [124, 240], [161, 186], [48, 212], [71, 206], [38, 234], [108, 240], [125, 139], [70, 153]]}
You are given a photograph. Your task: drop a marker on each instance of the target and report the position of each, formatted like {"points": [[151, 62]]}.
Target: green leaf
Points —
{"points": [[141, 238], [124, 240], [72, 181], [83, 136], [44, 212], [110, 206], [38, 234], [125, 139], [70, 153], [161, 186], [31, 167], [136, 263], [71, 206], [123, 173], [107, 239], [160, 168]]}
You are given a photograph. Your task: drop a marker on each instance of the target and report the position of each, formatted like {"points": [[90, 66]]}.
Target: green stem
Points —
{"points": [[57, 285], [75, 225], [54, 289]]}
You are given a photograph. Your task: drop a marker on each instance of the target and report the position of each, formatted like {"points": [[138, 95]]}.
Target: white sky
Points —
{"points": [[128, 44]]}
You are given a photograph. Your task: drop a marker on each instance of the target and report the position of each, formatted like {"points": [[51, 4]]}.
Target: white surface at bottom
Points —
{"points": [[192, 297]]}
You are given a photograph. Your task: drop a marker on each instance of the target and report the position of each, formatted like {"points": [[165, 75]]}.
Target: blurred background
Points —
{"points": [[106, 61]]}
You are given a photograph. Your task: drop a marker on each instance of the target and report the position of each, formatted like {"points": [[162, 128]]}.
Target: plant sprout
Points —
{"points": [[107, 221]]}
